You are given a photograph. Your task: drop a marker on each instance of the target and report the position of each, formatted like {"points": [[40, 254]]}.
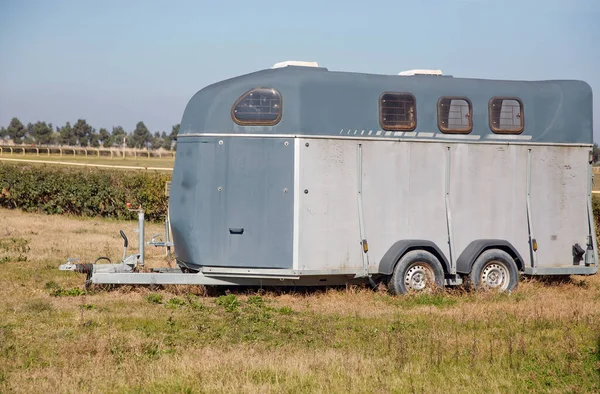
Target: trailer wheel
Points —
{"points": [[416, 271], [494, 269]]}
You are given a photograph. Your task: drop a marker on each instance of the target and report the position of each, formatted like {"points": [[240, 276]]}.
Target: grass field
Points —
{"points": [[54, 337], [165, 162]]}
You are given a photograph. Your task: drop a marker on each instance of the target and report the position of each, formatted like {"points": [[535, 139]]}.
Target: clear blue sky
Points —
{"points": [[119, 62]]}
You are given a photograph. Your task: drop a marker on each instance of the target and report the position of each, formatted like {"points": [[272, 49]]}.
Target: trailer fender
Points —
{"points": [[393, 255], [465, 261]]}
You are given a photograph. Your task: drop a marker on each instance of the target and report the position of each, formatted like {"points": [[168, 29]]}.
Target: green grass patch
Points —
{"points": [[154, 298], [175, 303], [72, 292]]}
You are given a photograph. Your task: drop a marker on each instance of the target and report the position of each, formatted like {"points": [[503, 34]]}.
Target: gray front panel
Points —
{"points": [[222, 186]]}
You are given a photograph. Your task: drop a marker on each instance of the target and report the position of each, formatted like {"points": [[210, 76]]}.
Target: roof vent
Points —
{"points": [[295, 63], [421, 72]]}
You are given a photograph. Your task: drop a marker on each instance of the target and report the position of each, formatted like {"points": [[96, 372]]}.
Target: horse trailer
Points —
{"points": [[297, 175]]}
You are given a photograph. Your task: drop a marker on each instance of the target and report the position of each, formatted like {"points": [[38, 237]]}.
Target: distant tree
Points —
{"points": [[16, 131], [29, 134], [94, 140], [172, 137], [52, 135], [130, 141], [56, 135], [83, 132], [104, 137], [67, 135], [118, 134], [41, 133], [174, 131], [157, 140], [141, 136], [166, 141]]}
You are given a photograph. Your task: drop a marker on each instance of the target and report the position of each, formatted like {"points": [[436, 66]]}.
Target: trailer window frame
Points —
{"points": [[257, 122], [449, 130], [520, 116], [400, 127]]}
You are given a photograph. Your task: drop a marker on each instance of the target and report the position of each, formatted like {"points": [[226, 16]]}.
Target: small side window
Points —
{"points": [[454, 115], [257, 107], [397, 111], [506, 115]]}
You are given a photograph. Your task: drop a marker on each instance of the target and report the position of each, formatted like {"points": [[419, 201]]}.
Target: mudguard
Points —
{"points": [[465, 261], [391, 257]]}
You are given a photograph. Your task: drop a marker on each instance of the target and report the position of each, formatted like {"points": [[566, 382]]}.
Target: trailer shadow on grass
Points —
{"points": [[216, 291]]}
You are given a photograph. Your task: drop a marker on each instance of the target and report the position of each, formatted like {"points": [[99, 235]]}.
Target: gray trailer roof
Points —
{"points": [[316, 101]]}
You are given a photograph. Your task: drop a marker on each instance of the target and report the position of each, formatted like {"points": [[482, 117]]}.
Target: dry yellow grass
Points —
{"points": [[542, 338]]}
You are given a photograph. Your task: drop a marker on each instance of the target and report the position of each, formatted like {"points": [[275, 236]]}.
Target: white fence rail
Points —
{"points": [[121, 153]]}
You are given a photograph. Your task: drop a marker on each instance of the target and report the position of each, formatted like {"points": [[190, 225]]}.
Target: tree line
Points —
{"points": [[84, 135]]}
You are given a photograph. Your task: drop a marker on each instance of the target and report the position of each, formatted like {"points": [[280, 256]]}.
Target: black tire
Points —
{"points": [[494, 269], [416, 271]]}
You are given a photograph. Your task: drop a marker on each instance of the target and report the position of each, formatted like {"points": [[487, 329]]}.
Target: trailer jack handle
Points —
{"points": [[125, 243]]}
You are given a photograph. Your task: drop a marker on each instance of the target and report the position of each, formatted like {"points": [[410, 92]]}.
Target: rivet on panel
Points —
{"points": [[305, 191], [285, 190], [286, 143], [220, 142], [220, 189], [306, 144]]}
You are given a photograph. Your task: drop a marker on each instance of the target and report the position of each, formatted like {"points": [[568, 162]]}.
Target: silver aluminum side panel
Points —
{"points": [[488, 191], [404, 195], [559, 196], [329, 231], [403, 191]]}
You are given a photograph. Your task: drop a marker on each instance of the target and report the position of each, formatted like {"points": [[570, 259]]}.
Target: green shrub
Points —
{"points": [[74, 292], [256, 300], [175, 303], [230, 302], [154, 298], [286, 310], [83, 191]]}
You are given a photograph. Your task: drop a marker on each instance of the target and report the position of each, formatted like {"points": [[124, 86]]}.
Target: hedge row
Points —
{"points": [[83, 191]]}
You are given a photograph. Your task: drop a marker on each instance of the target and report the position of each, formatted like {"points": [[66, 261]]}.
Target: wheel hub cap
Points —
{"points": [[495, 275], [418, 277]]}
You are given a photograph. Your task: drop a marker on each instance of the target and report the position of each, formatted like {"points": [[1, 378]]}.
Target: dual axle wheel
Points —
{"points": [[421, 271]]}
